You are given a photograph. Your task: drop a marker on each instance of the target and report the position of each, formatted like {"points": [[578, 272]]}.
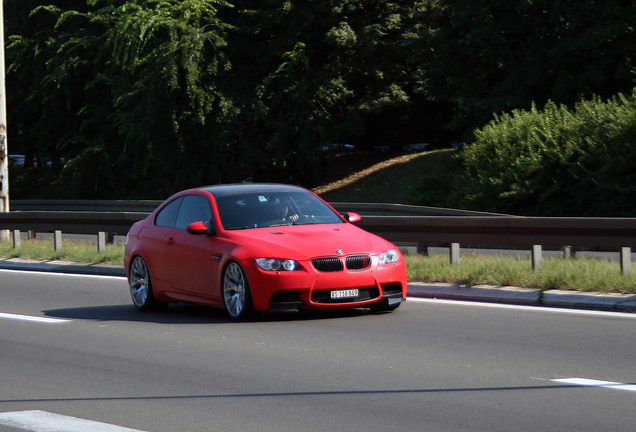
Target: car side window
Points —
{"points": [[168, 214], [194, 208]]}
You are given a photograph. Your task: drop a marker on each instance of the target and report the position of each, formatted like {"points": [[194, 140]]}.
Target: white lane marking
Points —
{"points": [[42, 320], [537, 308], [53, 274], [584, 382], [42, 421]]}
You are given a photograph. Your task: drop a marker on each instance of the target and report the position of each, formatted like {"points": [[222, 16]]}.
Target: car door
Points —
{"points": [[158, 252], [193, 259]]}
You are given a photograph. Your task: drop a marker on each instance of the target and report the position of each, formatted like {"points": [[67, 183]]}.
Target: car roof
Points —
{"points": [[243, 188]]}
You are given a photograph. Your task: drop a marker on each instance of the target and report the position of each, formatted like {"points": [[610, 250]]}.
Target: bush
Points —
{"points": [[552, 162]]}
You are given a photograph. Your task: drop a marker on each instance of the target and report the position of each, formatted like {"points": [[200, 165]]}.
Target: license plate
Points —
{"points": [[345, 293]]}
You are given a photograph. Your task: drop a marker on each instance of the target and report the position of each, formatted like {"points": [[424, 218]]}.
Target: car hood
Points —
{"points": [[308, 241]]}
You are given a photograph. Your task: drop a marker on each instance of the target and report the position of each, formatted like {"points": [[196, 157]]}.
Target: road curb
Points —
{"points": [[475, 293], [529, 296]]}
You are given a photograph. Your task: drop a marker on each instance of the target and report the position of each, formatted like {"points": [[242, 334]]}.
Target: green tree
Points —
{"points": [[143, 97], [309, 74], [168, 60], [45, 76], [130, 89], [490, 56], [327, 71]]}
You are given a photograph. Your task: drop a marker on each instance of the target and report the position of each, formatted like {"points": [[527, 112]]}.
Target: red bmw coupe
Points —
{"points": [[259, 247]]}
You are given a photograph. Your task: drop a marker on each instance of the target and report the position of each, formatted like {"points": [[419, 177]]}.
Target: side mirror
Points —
{"points": [[201, 228], [352, 217]]}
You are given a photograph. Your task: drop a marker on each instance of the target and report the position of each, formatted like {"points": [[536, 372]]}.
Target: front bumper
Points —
{"points": [[308, 288]]}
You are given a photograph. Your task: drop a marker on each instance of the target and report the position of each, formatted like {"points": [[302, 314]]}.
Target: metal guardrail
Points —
{"points": [[145, 206], [606, 233], [610, 234], [374, 209], [103, 224], [73, 222], [149, 205]]}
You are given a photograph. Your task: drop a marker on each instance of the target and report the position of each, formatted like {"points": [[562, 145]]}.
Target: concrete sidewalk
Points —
{"points": [[484, 293]]}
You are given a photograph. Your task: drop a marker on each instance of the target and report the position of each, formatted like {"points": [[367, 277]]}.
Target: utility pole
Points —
{"points": [[4, 148]]}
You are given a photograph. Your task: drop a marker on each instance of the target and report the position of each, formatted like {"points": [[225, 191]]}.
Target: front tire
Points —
{"points": [[236, 292], [141, 286]]}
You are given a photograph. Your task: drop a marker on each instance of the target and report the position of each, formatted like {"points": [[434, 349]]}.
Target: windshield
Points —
{"points": [[254, 210]]}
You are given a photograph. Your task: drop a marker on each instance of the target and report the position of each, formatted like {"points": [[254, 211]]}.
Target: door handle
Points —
{"points": [[169, 240]]}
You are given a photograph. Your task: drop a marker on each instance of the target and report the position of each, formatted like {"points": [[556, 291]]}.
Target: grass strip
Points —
{"points": [[78, 251], [579, 273]]}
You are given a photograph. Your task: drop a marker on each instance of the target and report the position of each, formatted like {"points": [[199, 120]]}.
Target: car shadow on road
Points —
{"points": [[190, 314], [178, 314]]}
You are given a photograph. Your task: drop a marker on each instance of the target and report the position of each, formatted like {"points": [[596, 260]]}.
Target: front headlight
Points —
{"points": [[275, 264], [389, 256]]}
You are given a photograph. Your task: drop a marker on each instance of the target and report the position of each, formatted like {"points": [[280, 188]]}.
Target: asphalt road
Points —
{"points": [[429, 366]]}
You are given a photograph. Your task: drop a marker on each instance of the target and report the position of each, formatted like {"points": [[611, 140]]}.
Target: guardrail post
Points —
{"points": [[101, 241], [58, 240], [626, 260], [536, 257], [422, 248], [567, 252], [454, 253], [16, 239]]}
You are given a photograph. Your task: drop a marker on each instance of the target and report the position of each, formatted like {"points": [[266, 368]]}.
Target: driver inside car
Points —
{"points": [[280, 213]]}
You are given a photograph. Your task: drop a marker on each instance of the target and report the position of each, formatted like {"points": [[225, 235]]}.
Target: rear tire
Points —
{"points": [[141, 286], [236, 293]]}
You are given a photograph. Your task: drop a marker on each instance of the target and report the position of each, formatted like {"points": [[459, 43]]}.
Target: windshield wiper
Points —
{"points": [[278, 224]]}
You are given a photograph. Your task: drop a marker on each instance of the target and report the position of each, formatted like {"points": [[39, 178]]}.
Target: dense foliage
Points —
{"points": [[489, 56], [140, 98]]}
